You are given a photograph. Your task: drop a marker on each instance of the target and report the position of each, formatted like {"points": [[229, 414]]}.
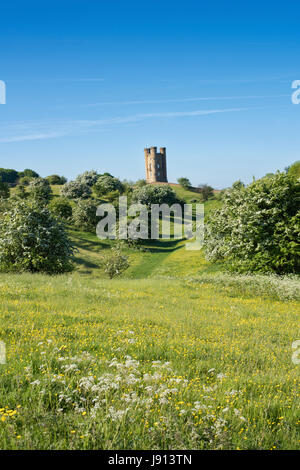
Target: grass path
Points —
{"points": [[152, 360]]}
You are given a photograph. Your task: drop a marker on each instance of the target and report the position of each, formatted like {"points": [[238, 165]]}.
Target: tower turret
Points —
{"points": [[156, 165]]}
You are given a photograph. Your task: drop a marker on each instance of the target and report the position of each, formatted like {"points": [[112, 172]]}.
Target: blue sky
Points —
{"points": [[91, 83]]}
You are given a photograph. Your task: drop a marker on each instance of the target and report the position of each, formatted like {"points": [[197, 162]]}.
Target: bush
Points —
{"points": [[115, 263], [107, 184], [206, 191], [151, 194], [128, 187], [258, 227], [40, 190], [25, 180], [61, 207], [29, 173], [4, 190], [294, 170], [8, 176], [184, 182], [238, 184], [140, 183], [5, 205], [84, 215], [31, 239], [56, 179], [76, 190], [88, 177], [21, 191]]}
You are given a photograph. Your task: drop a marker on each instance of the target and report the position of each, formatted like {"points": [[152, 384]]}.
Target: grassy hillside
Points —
{"points": [[186, 194], [55, 189], [160, 257], [172, 355]]}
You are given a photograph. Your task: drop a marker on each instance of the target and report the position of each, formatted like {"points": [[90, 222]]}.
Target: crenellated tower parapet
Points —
{"points": [[156, 165]]}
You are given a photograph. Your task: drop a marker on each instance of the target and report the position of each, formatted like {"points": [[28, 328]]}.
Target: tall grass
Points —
{"points": [[140, 364], [277, 287]]}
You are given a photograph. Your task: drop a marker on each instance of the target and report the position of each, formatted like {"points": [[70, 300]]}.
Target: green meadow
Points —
{"points": [[173, 354]]}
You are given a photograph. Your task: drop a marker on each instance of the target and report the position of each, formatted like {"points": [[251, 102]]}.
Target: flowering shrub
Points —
{"points": [[107, 184], [32, 240], [155, 195], [258, 227], [40, 190], [76, 190], [84, 215], [115, 263], [88, 177]]}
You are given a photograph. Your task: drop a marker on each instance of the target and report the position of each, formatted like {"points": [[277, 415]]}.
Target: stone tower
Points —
{"points": [[156, 165]]}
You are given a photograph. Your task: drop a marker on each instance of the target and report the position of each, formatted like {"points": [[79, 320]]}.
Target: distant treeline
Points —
{"points": [[13, 177]]}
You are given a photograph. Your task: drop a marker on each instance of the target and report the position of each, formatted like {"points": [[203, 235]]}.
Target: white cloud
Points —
{"points": [[53, 129], [23, 138], [182, 100]]}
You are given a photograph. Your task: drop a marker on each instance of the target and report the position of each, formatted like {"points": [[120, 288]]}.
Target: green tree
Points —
{"points": [[40, 190], [238, 185], [61, 207], [128, 187], [25, 180], [113, 197], [206, 191], [140, 183], [8, 176], [269, 175], [184, 182], [4, 190], [56, 179], [29, 173], [294, 169], [258, 227], [31, 239], [21, 191]]}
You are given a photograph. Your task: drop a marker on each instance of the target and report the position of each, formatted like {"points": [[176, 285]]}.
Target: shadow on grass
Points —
{"points": [[86, 263], [162, 246], [81, 241]]}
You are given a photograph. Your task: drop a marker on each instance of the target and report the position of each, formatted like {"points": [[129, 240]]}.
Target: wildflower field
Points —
{"points": [[174, 354], [149, 361]]}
